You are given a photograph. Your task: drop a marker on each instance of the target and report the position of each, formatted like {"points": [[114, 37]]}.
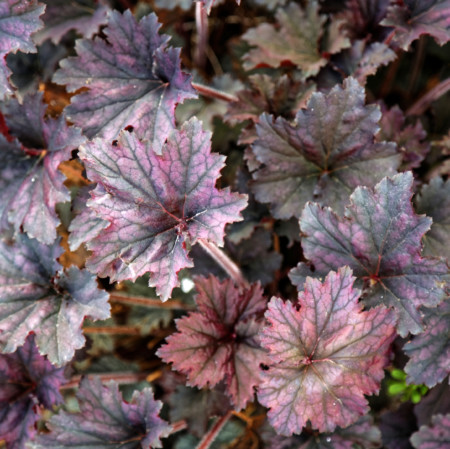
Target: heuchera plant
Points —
{"points": [[222, 223]]}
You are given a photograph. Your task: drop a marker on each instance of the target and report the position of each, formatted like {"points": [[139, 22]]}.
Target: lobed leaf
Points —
{"points": [[106, 421], [397, 427], [18, 21], [379, 237], [324, 156], [363, 59], [429, 352], [436, 436], [296, 41], [132, 79], [84, 16], [434, 200], [220, 341], [363, 17], [156, 206], [27, 380], [324, 357], [37, 296], [411, 19], [30, 183], [409, 138]]}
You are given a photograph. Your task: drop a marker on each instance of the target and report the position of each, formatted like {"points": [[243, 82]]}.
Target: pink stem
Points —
{"points": [[214, 93], [201, 21], [121, 378], [149, 302], [225, 262], [206, 441], [423, 103]]}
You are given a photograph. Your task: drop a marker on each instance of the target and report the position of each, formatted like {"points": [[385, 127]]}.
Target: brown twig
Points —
{"points": [[151, 303]]}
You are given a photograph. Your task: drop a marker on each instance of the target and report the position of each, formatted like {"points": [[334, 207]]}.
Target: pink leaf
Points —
{"points": [[379, 238], [132, 78], [220, 341], [156, 206], [324, 357]]}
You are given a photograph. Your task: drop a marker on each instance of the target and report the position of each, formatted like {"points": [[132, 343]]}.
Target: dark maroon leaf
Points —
{"points": [[363, 59], [362, 434], [220, 341], [379, 237], [18, 21], [362, 17], [61, 16], [30, 182], [397, 426], [429, 352], [409, 138], [324, 357], [435, 436], [157, 206], [295, 40], [413, 18], [282, 96], [86, 225], [206, 403], [434, 201], [27, 380], [106, 421], [37, 296], [132, 77], [437, 401], [324, 156]]}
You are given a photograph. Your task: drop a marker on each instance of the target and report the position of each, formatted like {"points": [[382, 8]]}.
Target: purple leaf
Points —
{"points": [[413, 18], [280, 96], [86, 225], [106, 421], [61, 16], [206, 403], [436, 436], [324, 156], [362, 434], [397, 426], [429, 352], [296, 40], [30, 182], [363, 17], [27, 380], [18, 20], [324, 357], [362, 60], [437, 401], [132, 78], [37, 296], [379, 237], [434, 200], [220, 341], [157, 206], [409, 138]]}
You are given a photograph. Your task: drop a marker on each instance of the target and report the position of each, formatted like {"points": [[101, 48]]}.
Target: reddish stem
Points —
{"points": [[210, 92], [206, 441], [121, 378], [115, 330], [225, 262], [149, 302], [201, 22], [423, 103]]}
